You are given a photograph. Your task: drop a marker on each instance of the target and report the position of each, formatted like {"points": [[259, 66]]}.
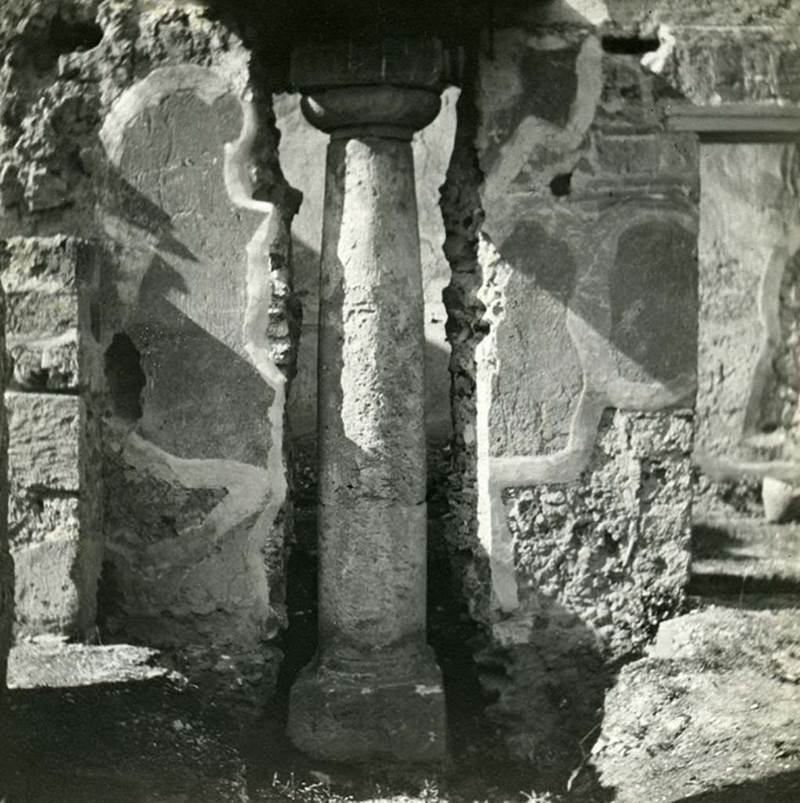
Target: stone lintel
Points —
{"points": [[409, 61], [738, 122]]}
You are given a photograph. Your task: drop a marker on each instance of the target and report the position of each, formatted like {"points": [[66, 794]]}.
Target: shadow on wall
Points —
{"points": [[301, 409], [179, 519], [643, 308], [199, 390], [191, 376]]}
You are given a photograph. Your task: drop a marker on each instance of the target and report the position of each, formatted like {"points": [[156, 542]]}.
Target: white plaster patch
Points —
{"points": [[492, 529], [657, 60], [426, 691], [594, 12]]}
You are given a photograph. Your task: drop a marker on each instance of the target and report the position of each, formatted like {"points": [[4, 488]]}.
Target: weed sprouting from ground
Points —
{"points": [[292, 789]]}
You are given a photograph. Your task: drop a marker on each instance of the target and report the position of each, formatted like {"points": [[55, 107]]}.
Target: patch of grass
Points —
{"points": [[293, 790]]}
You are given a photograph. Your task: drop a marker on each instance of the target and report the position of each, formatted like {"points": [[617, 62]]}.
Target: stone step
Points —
{"points": [[744, 556], [710, 714]]}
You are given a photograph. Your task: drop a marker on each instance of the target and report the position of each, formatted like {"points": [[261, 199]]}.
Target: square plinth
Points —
{"points": [[336, 717]]}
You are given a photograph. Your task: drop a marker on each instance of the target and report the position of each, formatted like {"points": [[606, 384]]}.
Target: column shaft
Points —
{"points": [[371, 391]]}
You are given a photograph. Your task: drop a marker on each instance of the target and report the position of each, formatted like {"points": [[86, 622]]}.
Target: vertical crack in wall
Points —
{"points": [[460, 585]]}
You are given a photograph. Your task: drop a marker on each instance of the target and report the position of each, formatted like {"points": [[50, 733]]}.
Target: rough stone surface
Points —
{"points": [[711, 712], [55, 473], [6, 562], [45, 433], [54, 526], [612, 547], [599, 562], [49, 280]]}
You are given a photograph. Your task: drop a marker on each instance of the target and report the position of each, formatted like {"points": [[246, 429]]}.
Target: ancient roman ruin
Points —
{"points": [[418, 381]]}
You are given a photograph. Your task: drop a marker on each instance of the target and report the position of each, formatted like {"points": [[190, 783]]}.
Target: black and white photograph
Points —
{"points": [[401, 401]]}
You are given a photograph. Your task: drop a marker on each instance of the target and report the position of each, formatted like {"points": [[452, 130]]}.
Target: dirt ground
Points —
{"points": [[711, 715]]}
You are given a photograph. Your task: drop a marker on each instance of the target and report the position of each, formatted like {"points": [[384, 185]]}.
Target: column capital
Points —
{"points": [[386, 88]]}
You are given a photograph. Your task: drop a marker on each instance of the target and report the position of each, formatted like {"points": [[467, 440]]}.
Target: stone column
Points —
{"points": [[374, 689]]}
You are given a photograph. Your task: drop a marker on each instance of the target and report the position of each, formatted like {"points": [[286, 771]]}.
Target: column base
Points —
{"points": [[361, 715]]}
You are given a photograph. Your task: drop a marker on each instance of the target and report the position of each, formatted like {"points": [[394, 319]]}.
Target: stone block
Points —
{"points": [[33, 314], [45, 435], [781, 500], [35, 517], [46, 364], [44, 265], [709, 714], [404, 61], [47, 599], [51, 282], [57, 548]]}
